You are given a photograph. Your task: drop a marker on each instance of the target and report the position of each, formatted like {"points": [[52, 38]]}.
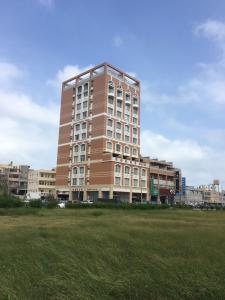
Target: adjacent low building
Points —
{"points": [[41, 182], [14, 178]]}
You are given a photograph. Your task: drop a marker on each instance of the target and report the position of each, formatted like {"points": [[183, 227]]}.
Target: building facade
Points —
{"points": [[99, 141], [14, 178], [41, 182], [192, 196]]}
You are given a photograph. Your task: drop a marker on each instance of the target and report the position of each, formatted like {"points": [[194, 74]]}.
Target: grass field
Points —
{"points": [[112, 254]]}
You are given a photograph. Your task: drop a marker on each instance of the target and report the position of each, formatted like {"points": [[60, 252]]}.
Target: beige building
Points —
{"points": [[14, 178], [99, 141], [42, 182]]}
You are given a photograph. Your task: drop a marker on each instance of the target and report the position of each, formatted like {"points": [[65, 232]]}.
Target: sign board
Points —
{"points": [[183, 185], [153, 190]]}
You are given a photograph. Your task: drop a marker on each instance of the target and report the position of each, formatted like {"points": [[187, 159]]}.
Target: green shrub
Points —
{"points": [[36, 203], [10, 202], [121, 205], [51, 202]]}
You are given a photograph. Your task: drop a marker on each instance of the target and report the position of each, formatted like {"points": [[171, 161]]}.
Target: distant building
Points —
{"points": [[203, 194], [99, 142], [192, 196], [222, 197], [14, 178], [42, 182]]}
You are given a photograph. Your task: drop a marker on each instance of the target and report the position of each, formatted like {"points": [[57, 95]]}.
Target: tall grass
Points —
{"points": [[112, 254]]}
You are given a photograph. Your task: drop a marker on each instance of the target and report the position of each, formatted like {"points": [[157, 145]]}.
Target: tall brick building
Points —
{"points": [[99, 141]]}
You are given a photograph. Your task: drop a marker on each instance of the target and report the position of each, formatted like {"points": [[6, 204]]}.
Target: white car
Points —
{"points": [[87, 202], [61, 205]]}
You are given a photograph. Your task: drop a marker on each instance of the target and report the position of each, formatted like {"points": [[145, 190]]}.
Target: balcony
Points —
{"points": [[127, 100], [111, 92]]}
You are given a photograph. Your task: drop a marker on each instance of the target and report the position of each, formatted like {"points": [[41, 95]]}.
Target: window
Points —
{"points": [[111, 87], [78, 106], [135, 182], [127, 170], [82, 158], [86, 87], [134, 120], [110, 111], [85, 104], [127, 128], [127, 181], [76, 148], [119, 114], [134, 140], [118, 125], [117, 180], [135, 100], [135, 110], [118, 136], [76, 137], [127, 150], [143, 172], [110, 123], [82, 147], [74, 181], [75, 159], [84, 125], [79, 90], [135, 171], [77, 127], [134, 130], [79, 96], [127, 138], [119, 93], [143, 183], [118, 147], [127, 108], [110, 100], [134, 151], [75, 171], [119, 104], [84, 114], [118, 169], [109, 133], [128, 97], [81, 170], [85, 93], [84, 135], [127, 118], [109, 145], [78, 116], [81, 181]]}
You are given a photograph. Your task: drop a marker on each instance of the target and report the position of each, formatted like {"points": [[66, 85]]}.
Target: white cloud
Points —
{"points": [[199, 163], [67, 72], [46, 3], [118, 41], [212, 29], [9, 72], [29, 131], [205, 91], [22, 107], [207, 87]]}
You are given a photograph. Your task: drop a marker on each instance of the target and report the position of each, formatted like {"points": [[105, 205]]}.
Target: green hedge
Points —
{"points": [[117, 205], [10, 202]]}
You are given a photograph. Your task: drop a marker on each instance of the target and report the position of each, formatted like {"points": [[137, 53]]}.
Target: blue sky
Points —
{"points": [[176, 49]]}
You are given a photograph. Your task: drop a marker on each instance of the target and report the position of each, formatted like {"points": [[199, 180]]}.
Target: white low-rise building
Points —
{"points": [[41, 182]]}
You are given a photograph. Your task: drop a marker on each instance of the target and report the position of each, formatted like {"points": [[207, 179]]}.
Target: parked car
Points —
{"points": [[61, 204]]}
